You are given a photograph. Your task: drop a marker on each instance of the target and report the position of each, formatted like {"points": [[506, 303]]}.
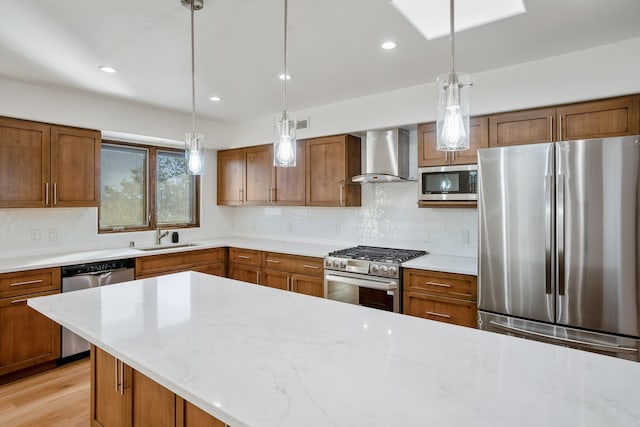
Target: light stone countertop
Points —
{"points": [[255, 356], [450, 264]]}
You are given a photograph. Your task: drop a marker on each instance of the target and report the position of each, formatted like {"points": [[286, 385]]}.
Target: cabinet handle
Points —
{"points": [[244, 257], [18, 301], [46, 194], [315, 267], [550, 128], [121, 378], [258, 277], [289, 283], [273, 195], [341, 193], [433, 313], [55, 193], [442, 285], [240, 195], [446, 156], [116, 370], [273, 261], [30, 282]]}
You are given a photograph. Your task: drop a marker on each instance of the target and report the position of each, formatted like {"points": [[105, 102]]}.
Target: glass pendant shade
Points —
{"points": [[284, 146], [193, 152], [453, 111]]}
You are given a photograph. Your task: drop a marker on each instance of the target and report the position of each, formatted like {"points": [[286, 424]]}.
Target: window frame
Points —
{"points": [[150, 192]]}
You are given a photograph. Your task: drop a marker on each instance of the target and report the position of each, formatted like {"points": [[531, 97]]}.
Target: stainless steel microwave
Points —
{"points": [[449, 182]]}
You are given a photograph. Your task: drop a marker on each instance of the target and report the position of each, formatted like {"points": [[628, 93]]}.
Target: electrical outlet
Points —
{"points": [[463, 237], [34, 236], [52, 235]]}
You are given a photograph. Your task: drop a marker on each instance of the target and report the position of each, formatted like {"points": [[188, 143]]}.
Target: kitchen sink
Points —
{"points": [[163, 247]]}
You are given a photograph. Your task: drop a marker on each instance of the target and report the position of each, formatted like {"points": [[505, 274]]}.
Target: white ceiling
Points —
{"points": [[334, 48]]}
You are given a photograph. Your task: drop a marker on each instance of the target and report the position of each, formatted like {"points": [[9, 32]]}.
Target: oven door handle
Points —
{"points": [[383, 286]]}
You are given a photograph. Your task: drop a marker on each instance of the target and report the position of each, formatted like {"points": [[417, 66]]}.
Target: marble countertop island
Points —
{"points": [[255, 356]]}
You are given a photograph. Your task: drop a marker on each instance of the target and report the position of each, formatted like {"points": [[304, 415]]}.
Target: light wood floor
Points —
{"points": [[59, 397]]}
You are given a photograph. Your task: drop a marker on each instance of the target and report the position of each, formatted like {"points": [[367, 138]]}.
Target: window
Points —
{"points": [[144, 188]]}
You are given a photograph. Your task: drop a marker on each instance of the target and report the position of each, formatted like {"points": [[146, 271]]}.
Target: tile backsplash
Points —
{"points": [[389, 216]]}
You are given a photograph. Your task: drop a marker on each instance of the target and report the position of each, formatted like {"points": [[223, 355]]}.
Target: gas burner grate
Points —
{"points": [[377, 254]]}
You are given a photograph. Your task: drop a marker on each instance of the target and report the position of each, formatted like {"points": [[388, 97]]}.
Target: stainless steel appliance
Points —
{"points": [[83, 276], [367, 276], [386, 155], [559, 243], [449, 183]]}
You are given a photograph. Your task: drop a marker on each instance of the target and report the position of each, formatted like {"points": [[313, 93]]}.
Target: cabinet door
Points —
{"points": [[449, 310], [290, 182], [245, 273], [75, 167], [330, 164], [230, 177], [522, 127], [598, 119], [428, 155], [214, 270], [24, 164], [258, 175], [153, 405], [189, 415], [110, 399], [308, 285], [275, 279], [478, 138], [27, 338]]}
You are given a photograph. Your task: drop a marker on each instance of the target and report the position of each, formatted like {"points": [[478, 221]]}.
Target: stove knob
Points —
{"points": [[374, 269], [393, 271], [384, 270], [335, 264], [343, 264]]}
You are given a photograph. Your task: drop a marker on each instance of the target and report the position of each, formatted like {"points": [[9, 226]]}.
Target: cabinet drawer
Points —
{"points": [[309, 265], [28, 282], [278, 261], [245, 256], [444, 284], [449, 310], [156, 265]]}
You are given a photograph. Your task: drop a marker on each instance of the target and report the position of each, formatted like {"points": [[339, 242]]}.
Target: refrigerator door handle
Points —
{"points": [[548, 233], [569, 341], [561, 233]]}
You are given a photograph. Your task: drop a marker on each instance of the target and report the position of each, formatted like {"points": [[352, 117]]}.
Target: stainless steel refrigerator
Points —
{"points": [[559, 249]]}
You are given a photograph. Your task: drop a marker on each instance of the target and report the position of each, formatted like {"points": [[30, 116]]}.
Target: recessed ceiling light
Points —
{"points": [[282, 77], [107, 69], [215, 99], [389, 45], [431, 17]]}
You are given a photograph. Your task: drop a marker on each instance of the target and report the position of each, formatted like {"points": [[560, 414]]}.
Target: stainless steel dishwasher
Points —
{"points": [[84, 276]]}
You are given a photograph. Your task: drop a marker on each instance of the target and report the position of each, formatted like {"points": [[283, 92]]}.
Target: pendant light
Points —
{"points": [[193, 141], [453, 104], [284, 146]]}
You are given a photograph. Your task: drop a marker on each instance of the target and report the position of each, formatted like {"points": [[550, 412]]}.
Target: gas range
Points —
{"points": [[370, 260]]}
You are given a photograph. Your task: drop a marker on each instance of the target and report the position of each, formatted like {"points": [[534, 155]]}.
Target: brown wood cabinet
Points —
{"points": [[210, 261], [230, 177], [330, 163], [428, 155], [258, 182], [308, 285], [289, 183], [44, 165], [123, 397], [445, 297], [594, 119], [27, 338]]}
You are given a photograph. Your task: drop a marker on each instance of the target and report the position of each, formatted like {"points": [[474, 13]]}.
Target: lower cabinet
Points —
{"points": [[445, 297], [245, 273], [123, 397], [308, 285], [209, 261], [27, 338]]}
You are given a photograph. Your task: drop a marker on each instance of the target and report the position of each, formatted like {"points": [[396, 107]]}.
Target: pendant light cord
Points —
{"points": [[285, 54], [193, 72], [451, 18]]}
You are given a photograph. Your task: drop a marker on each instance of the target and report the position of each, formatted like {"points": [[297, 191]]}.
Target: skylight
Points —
{"points": [[431, 17]]}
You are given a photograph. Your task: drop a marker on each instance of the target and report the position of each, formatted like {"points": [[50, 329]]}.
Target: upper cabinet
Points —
{"points": [[321, 177], [594, 119], [43, 165], [428, 155], [331, 162]]}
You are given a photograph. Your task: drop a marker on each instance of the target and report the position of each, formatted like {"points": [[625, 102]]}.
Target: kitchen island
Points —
{"points": [[254, 356]]}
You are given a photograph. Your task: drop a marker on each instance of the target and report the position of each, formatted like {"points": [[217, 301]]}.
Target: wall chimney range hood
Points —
{"points": [[386, 156]]}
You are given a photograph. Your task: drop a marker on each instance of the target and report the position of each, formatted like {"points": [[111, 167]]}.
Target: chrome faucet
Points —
{"points": [[159, 235]]}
